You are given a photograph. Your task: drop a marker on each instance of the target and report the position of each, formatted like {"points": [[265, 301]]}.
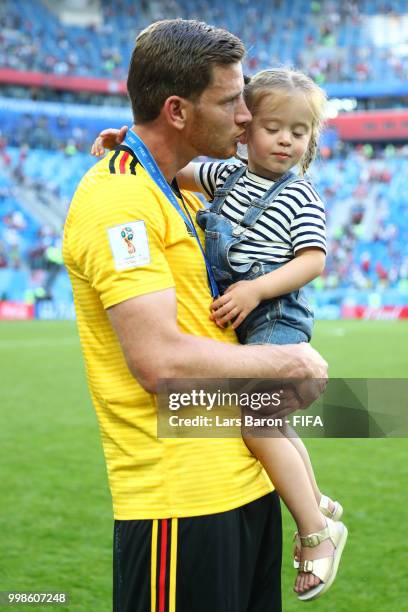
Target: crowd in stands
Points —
{"points": [[367, 243], [36, 131], [364, 188], [30, 250], [23, 239], [39, 94], [45, 136], [332, 40]]}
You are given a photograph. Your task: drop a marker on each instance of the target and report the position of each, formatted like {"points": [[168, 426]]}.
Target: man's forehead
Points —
{"points": [[227, 79], [224, 72]]}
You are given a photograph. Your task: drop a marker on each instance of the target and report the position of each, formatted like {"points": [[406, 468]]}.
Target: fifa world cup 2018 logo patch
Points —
{"points": [[127, 235]]}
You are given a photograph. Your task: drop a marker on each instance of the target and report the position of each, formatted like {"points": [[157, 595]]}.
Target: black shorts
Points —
{"points": [[225, 562]]}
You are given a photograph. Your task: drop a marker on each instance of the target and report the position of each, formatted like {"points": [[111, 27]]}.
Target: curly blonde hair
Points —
{"points": [[288, 80]]}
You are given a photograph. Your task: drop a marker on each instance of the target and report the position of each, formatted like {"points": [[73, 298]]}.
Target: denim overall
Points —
{"points": [[287, 319]]}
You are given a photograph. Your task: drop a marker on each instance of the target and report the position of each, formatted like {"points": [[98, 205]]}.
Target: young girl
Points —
{"points": [[265, 240]]}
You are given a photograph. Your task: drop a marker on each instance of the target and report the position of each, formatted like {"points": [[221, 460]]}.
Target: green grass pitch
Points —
{"points": [[55, 518]]}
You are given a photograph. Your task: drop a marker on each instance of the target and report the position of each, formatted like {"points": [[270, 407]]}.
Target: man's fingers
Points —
{"points": [[308, 391], [289, 402], [289, 408]]}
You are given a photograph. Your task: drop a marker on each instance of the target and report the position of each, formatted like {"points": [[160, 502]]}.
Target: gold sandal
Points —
{"points": [[334, 515], [324, 568]]}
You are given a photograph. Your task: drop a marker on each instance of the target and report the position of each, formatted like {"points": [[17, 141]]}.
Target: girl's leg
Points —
{"points": [[297, 442], [292, 436], [287, 471], [285, 457]]}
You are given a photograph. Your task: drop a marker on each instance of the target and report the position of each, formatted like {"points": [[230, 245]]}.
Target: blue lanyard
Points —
{"points": [[143, 154]]}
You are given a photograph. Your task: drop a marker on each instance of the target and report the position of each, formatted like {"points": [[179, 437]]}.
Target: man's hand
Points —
{"points": [[108, 139], [308, 376], [312, 379], [312, 364], [236, 303], [306, 383]]}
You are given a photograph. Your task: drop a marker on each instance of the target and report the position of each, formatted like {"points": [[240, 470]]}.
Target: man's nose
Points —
{"points": [[243, 115]]}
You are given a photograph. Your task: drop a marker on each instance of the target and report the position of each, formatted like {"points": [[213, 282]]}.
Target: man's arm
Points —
{"points": [[155, 348]]}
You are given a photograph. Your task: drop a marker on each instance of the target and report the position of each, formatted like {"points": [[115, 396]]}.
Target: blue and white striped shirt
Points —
{"points": [[295, 219]]}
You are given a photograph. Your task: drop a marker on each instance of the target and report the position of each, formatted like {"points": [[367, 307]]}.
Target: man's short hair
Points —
{"points": [[176, 57]]}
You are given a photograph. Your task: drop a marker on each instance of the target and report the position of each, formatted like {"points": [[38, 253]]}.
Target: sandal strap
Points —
{"points": [[321, 568], [324, 503], [314, 539], [324, 508], [306, 566]]}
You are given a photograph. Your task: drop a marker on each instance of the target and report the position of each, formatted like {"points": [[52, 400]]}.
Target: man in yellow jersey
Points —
{"points": [[197, 524]]}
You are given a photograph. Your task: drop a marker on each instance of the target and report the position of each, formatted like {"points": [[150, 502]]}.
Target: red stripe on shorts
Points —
{"points": [[163, 563]]}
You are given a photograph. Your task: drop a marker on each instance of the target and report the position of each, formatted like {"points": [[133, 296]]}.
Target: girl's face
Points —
{"points": [[279, 134]]}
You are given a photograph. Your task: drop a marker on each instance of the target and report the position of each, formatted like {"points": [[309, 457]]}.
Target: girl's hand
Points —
{"points": [[236, 303], [108, 139]]}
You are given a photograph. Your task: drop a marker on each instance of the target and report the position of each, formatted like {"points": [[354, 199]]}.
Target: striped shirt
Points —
{"points": [[295, 219]]}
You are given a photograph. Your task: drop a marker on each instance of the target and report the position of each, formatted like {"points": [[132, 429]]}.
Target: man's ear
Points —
{"points": [[176, 111]]}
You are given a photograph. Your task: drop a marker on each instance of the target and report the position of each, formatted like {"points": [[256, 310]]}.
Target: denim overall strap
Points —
{"points": [[257, 206], [221, 192]]}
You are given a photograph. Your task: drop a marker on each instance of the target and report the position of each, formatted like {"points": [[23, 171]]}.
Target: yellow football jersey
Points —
{"points": [[123, 239]]}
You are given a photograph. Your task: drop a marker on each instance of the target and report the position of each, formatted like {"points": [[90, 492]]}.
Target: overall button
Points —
{"points": [[256, 268], [238, 230]]}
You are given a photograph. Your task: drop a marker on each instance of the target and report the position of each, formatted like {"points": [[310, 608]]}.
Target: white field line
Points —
{"points": [[38, 342], [335, 331]]}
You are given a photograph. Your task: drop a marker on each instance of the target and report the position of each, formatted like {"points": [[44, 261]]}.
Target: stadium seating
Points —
{"points": [[366, 199], [44, 144], [334, 41]]}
